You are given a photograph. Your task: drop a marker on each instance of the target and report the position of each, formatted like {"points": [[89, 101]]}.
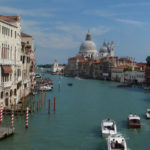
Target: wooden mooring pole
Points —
{"points": [[45, 95], [54, 103], [49, 107]]}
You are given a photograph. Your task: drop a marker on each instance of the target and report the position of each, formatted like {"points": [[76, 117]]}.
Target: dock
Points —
{"points": [[6, 132]]}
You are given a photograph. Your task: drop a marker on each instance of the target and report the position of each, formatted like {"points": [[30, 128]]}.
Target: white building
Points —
{"points": [[107, 50], [134, 76], [88, 48], [10, 64], [121, 74], [56, 67]]}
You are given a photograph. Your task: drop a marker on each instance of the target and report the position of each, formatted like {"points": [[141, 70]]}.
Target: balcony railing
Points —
{"points": [[6, 84]]}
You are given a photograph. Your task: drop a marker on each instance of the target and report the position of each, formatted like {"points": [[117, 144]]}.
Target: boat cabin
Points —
{"points": [[134, 121]]}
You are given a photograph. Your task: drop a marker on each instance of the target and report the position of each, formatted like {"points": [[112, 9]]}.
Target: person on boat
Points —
{"points": [[113, 143]]}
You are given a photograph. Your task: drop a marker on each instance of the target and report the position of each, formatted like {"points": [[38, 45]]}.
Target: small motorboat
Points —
{"points": [[116, 142], [47, 88], [134, 121], [148, 114], [108, 127], [69, 84], [37, 76]]}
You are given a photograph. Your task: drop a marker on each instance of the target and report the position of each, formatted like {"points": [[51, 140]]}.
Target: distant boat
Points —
{"points": [[70, 84], [108, 127], [124, 85], [37, 76], [116, 142], [148, 114], [134, 121], [78, 78]]}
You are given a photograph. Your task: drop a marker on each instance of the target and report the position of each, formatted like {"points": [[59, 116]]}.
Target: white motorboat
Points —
{"points": [[116, 142], [47, 88], [134, 121], [148, 114], [108, 127]]}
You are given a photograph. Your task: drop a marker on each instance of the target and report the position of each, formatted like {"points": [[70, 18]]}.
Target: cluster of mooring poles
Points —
{"points": [[27, 109], [45, 102]]}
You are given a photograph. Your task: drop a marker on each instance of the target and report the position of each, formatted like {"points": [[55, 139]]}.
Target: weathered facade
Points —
{"points": [[10, 60]]}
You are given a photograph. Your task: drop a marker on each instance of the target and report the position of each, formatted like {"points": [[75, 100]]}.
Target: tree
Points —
{"points": [[148, 61]]}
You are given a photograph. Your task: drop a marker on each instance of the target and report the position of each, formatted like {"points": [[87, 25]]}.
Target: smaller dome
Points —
{"points": [[103, 49]]}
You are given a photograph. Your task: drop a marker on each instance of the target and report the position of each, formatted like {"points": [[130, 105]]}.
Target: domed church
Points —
{"points": [[88, 48], [107, 50]]}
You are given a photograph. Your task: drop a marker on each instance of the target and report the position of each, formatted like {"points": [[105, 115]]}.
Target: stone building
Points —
{"points": [[10, 60], [27, 59], [10, 64]]}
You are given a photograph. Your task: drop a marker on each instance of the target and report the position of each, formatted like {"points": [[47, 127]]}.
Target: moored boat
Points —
{"points": [[108, 127], [148, 114], [134, 121], [47, 88], [116, 142]]}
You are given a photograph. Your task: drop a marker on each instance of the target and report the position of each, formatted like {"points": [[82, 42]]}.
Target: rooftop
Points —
{"points": [[9, 18], [25, 35]]}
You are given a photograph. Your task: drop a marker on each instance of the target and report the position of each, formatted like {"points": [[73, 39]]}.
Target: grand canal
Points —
{"points": [[79, 111]]}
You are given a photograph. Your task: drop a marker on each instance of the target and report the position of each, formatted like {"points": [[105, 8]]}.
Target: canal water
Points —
{"points": [[76, 123]]}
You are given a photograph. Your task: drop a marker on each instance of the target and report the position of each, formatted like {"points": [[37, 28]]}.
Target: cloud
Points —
{"points": [[141, 4], [25, 12], [133, 22], [101, 13], [61, 36]]}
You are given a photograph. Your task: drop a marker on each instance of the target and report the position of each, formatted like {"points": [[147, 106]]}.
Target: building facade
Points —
{"points": [[10, 60]]}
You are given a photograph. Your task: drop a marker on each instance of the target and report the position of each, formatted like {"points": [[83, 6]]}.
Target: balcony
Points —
{"points": [[6, 62], [10, 62], [6, 84]]}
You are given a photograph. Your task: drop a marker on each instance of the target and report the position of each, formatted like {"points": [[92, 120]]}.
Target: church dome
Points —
{"points": [[103, 49], [88, 47]]}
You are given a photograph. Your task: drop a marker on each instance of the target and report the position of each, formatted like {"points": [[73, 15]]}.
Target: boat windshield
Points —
{"points": [[109, 127], [117, 145]]}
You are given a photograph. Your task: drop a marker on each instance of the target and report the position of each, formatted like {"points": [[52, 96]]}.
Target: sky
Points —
{"points": [[60, 26]]}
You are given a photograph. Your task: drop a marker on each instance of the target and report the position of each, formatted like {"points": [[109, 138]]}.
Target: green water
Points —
{"points": [[79, 111]]}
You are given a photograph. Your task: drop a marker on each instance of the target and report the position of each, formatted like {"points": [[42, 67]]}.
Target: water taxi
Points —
{"points": [[116, 142], [134, 121], [108, 127]]}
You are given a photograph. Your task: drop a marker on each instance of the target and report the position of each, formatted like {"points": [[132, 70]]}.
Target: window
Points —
{"points": [[1, 94], [15, 92], [15, 34], [11, 33]]}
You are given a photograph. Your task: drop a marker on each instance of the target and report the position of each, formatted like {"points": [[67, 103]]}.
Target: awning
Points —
{"points": [[6, 69]]}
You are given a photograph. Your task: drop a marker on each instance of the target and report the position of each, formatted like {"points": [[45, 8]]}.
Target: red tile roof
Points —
{"points": [[25, 35], [77, 57], [122, 67], [9, 18]]}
